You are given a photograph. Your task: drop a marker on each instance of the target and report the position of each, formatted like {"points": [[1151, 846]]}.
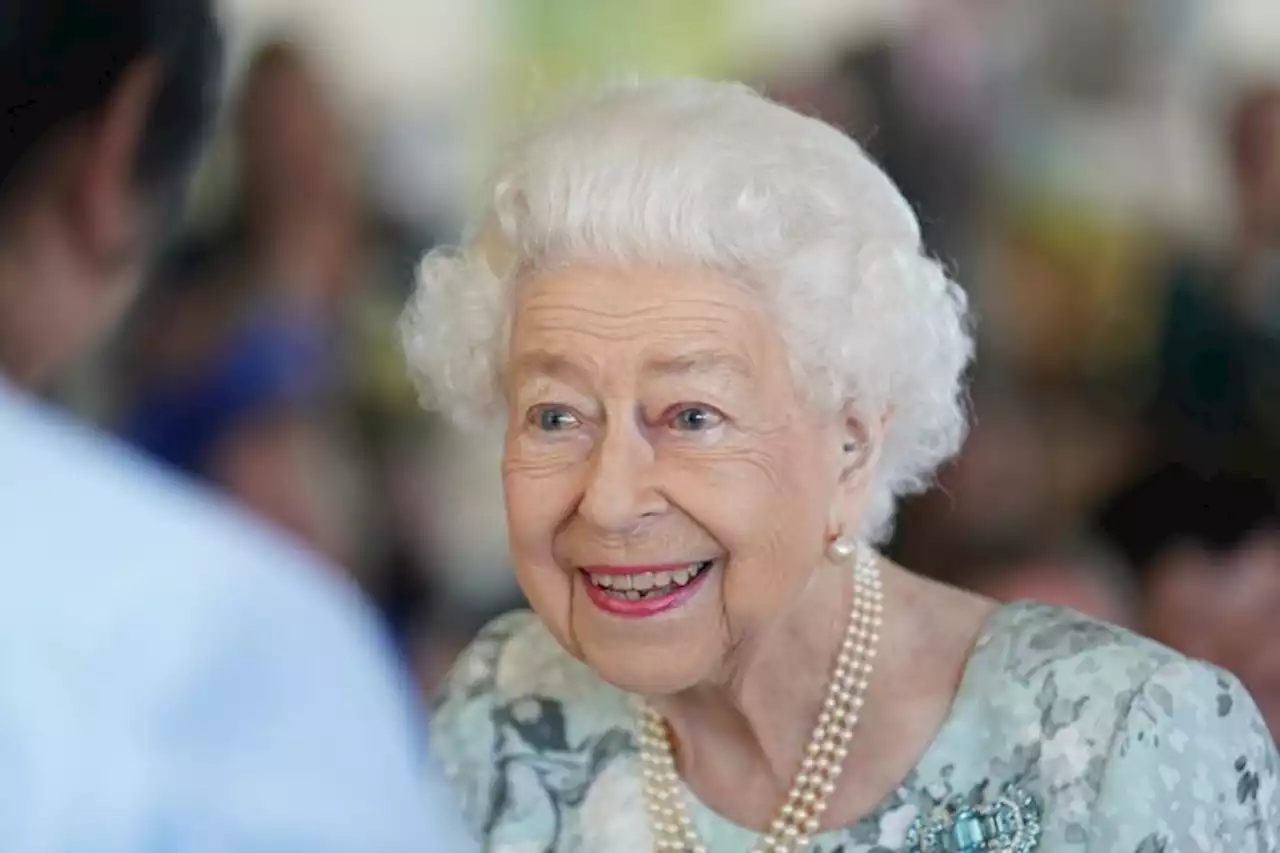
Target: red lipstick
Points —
{"points": [[618, 603]]}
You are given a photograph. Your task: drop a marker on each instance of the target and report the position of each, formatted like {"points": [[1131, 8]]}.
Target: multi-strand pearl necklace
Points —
{"points": [[824, 756]]}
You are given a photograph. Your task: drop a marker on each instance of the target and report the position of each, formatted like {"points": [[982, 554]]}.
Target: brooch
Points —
{"points": [[1011, 824]]}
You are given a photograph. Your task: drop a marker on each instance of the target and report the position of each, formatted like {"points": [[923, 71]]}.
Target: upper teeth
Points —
{"points": [[647, 580]]}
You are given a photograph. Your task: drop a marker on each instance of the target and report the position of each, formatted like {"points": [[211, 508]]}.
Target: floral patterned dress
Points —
{"points": [[1127, 747]]}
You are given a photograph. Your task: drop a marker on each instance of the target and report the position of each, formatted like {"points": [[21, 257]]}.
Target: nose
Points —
{"points": [[620, 492]]}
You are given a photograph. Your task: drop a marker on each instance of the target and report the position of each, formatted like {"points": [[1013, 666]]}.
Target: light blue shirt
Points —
{"points": [[173, 678]]}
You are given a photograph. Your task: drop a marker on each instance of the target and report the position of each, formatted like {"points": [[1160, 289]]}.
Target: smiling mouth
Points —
{"points": [[642, 586]]}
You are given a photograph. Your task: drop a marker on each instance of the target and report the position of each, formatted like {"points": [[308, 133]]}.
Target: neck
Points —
{"points": [[755, 722], [22, 344], [740, 743], [51, 304]]}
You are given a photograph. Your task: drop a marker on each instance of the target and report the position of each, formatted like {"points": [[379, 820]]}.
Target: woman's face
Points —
{"points": [[658, 446], [294, 156]]}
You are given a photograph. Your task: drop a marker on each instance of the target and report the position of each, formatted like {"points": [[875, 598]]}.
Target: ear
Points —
{"points": [[861, 437], [106, 209]]}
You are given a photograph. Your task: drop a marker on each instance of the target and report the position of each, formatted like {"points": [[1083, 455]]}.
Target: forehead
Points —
{"points": [[660, 319]]}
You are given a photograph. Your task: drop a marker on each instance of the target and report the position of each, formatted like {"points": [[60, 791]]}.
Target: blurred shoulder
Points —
{"points": [[163, 566], [164, 611], [119, 502]]}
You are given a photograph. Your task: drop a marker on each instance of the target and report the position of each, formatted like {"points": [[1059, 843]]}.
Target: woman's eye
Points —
{"points": [[695, 419], [553, 419]]}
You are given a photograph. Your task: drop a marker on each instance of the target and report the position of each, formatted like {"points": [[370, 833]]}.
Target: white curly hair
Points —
{"points": [[714, 174]]}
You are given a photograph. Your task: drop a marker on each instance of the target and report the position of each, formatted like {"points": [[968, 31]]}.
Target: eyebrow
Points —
{"points": [[556, 365], [546, 363], [699, 361]]}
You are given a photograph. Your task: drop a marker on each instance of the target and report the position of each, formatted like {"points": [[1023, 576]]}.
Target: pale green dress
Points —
{"points": [[1129, 747]]}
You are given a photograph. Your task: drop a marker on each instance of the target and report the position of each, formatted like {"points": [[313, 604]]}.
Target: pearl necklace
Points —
{"points": [[825, 754]]}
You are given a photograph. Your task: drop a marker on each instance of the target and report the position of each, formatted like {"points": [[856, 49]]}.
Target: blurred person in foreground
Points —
{"points": [[720, 355], [171, 677], [1206, 546]]}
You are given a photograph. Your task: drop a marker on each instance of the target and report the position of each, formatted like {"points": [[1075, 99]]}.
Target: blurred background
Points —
{"points": [[1103, 177]]}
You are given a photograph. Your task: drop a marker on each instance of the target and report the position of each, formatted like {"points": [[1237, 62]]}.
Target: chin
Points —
{"points": [[644, 673]]}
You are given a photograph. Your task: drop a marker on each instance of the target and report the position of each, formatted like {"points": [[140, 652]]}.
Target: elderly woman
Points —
{"points": [[720, 356]]}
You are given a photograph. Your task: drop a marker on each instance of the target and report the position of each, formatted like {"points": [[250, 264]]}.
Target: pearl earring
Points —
{"points": [[841, 549]]}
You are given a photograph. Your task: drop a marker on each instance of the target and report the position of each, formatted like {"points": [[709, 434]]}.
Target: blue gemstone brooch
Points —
{"points": [[1010, 824]]}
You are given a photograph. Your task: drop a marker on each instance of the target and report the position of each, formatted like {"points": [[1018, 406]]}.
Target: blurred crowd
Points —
{"points": [[1126, 405]]}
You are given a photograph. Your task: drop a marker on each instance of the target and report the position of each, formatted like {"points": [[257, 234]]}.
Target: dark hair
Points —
{"points": [[1176, 504], [60, 60]]}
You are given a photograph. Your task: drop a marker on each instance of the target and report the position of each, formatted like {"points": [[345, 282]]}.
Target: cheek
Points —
{"points": [[540, 496], [768, 508], [541, 486]]}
